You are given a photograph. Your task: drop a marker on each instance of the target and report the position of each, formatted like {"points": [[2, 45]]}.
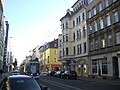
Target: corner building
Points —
{"points": [[103, 23]]}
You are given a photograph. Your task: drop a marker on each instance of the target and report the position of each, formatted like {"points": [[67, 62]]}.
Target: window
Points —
{"points": [[66, 24], [73, 23], [78, 49], [109, 40], [84, 32], [48, 59], [79, 19], [90, 28], [74, 36], [60, 54], [55, 44], [78, 35], [83, 16], [89, 14], [106, 3], [94, 11], [66, 50], [74, 50], [102, 43], [118, 38], [55, 52], [94, 66], [91, 46], [100, 7], [85, 47], [89, 1], [101, 23], [96, 44], [66, 37], [108, 20], [63, 51], [63, 38], [114, 1], [116, 17], [95, 26], [55, 60], [63, 26], [104, 67]]}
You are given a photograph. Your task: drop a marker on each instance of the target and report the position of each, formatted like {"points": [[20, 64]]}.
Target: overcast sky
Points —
{"points": [[33, 22]]}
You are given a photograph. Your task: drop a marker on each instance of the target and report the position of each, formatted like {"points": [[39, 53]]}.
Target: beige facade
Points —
{"points": [[74, 40]]}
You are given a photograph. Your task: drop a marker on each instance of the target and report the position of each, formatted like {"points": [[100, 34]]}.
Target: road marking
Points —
{"points": [[62, 85]]}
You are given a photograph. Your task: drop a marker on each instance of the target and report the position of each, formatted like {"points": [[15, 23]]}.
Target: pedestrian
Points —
{"points": [[1, 72]]}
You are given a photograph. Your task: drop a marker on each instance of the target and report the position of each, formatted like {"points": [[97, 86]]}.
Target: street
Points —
{"points": [[54, 83]]}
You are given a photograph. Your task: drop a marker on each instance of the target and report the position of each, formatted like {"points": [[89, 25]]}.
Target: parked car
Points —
{"points": [[20, 82], [58, 73], [15, 72], [51, 73], [69, 75]]}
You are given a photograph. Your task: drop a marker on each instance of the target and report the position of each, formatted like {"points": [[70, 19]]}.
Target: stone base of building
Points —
{"points": [[104, 77]]}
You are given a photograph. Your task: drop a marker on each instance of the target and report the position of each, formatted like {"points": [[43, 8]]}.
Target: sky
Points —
{"points": [[32, 23]]}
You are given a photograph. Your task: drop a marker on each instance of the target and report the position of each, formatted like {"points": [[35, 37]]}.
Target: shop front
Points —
{"points": [[82, 68]]}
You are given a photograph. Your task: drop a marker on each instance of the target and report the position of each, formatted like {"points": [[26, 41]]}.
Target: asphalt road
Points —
{"points": [[54, 83]]}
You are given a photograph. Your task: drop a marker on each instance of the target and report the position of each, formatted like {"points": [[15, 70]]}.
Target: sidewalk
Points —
{"points": [[3, 76], [115, 81]]}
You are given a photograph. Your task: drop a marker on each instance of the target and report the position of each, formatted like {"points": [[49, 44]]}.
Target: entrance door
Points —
{"points": [[115, 67], [82, 70]]}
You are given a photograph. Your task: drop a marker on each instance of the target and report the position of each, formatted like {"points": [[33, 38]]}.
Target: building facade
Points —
{"points": [[2, 31], [74, 39], [103, 23], [50, 56]]}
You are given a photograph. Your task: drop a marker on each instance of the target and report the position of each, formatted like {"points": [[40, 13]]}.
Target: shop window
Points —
{"points": [[104, 67], [94, 66]]}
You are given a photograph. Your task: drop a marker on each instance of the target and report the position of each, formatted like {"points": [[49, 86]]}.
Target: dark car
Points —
{"points": [[69, 75], [20, 82]]}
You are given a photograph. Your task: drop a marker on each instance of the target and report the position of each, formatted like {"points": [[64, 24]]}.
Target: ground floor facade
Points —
{"points": [[105, 65]]}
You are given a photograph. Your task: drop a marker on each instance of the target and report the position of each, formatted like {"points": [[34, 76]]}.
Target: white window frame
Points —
{"points": [[100, 7], [118, 38], [108, 21], [116, 17]]}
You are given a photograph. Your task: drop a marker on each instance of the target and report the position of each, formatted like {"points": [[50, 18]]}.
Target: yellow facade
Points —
{"points": [[50, 59]]}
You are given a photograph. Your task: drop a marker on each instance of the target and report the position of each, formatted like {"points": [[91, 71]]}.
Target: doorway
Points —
{"points": [[115, 67]]}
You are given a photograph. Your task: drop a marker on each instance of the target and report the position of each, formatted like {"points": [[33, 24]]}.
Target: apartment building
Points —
{"points": [[103, 23], [50, 56], [73, 40], [2, 30]]}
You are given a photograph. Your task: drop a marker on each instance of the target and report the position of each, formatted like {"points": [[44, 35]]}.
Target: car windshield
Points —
{"points": [[24, 84]]}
